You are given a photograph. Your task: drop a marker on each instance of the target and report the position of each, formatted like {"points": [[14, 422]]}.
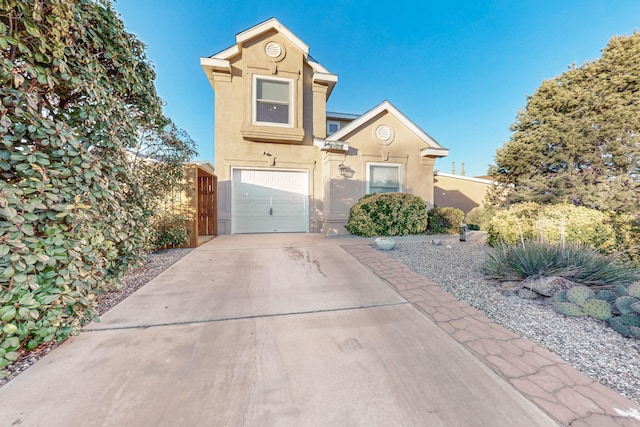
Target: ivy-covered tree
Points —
{"points": [[76, 94], [578, 138]]}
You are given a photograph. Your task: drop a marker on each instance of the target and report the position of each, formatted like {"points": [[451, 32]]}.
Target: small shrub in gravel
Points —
{"points": [[171, 231], [444, 220], [388, 214], [479, 218]]}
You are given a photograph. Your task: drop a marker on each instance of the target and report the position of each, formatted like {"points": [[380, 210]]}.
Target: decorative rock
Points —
{"points": [[436, 243], [527, 293], [384, 243], [448, 246], [547, 286]]}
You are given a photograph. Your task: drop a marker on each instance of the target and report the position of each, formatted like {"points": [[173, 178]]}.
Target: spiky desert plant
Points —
{"points": [[574, 262]]}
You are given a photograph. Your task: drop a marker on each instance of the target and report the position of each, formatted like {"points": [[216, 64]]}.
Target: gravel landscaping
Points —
{"points": [[587, 344], [155, 264]]}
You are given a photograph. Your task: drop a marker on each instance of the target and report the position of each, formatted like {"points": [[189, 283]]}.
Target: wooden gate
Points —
{"points": [[207, 204]]}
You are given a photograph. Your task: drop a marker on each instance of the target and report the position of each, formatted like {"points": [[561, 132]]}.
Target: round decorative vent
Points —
{"points": [[383, 132], [273, 49]]}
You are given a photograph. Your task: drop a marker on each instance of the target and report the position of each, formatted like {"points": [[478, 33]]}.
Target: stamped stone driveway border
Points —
{"points": [[562, 391]]}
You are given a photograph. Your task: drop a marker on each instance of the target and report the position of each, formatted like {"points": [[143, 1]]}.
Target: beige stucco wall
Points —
{"points": [[459, 192]]}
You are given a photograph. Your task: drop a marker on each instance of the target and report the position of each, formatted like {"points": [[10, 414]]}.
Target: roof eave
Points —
{"points": [[434, 152], [332, 146], [215, 64]]}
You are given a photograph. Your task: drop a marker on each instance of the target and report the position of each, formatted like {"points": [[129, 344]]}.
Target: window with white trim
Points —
{"points": [[272, 101], [384, 177], [332, 127]]}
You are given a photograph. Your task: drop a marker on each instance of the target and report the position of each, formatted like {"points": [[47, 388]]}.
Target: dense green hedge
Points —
{"points": [[445, 220], [77, 96], [388, 214]]}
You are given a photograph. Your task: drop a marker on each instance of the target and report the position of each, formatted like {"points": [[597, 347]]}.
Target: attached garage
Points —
{"points": [[270, 201]]}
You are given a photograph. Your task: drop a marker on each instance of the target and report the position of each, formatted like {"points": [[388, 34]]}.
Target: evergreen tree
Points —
{"points": [[578, 138]]}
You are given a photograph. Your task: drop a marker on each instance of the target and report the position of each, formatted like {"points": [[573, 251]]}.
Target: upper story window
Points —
{"points": [[272, 101], [383, 178], [332, 127]]}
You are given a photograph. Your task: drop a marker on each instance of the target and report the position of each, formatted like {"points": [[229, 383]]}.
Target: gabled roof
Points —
{"points": [[433, 149], [255, 31], [220, 61]]}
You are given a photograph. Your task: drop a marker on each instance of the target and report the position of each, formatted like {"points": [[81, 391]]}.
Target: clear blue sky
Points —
{"points": [[460, 70]]}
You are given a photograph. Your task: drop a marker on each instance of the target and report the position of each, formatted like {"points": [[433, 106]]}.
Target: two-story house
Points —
{"points": [[285, 164]]}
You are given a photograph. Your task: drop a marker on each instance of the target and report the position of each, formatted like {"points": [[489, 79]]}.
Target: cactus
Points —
{"points": [[630, 320], [597, 309], [633, 290], [636, 307], [578, 295], [560, 296], [619, 327], [621, 290], [634, 331], [608, 296], [624, 304], [568, 309]]}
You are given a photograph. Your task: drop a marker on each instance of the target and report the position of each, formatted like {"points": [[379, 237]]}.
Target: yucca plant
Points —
{"points": [[573, 261]]}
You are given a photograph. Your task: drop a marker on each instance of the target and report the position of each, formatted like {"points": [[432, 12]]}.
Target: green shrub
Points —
{"points": [[574, 261], [388, 214], [77, 96], [479, 217], [171, 231], [627, 230], [444, 220], [552, 223]]}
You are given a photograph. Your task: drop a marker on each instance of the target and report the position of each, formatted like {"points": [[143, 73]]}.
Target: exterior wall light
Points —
{"points": [[345, 171]]}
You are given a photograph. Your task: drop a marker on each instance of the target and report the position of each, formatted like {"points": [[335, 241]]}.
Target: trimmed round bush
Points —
{"points": [[444, 220], [387, 214]]}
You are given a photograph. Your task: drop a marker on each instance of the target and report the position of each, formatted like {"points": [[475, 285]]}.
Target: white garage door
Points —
{"points": [[270, 201]]}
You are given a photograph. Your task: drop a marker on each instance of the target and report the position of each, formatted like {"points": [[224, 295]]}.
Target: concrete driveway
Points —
{"points": [[266, 330]]}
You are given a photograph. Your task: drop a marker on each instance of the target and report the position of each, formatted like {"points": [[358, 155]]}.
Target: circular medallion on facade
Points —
{"points": [[384, 134]]}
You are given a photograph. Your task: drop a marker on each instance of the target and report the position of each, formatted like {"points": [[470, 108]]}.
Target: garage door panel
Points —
{"points": [[270, 201]]}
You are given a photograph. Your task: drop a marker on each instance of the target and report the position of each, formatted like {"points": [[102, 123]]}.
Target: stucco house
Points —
{"points": [[285, 164], [459, 191]]}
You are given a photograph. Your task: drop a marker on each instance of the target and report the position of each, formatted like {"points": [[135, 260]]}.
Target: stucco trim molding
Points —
{"points": [[272, 134], [464, 178]]}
